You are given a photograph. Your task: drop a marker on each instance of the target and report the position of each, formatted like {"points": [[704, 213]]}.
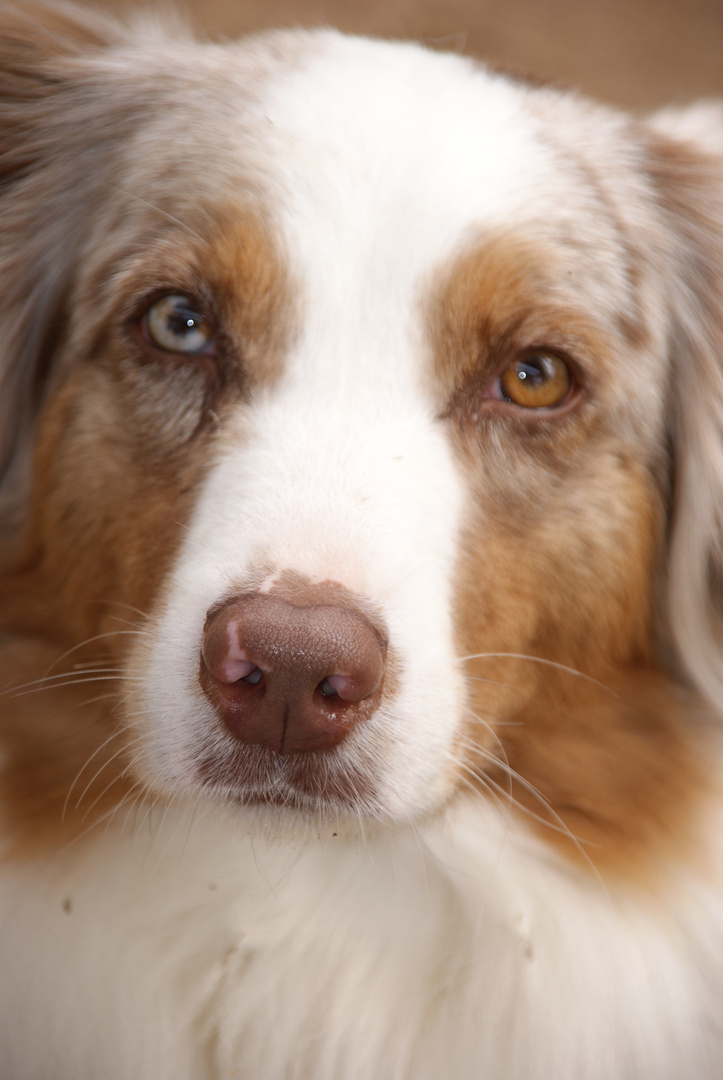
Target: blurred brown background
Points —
{"points": [[630, 52]]}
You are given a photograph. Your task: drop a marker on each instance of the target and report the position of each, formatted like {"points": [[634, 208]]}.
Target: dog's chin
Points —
{"points": [[294, 791]]}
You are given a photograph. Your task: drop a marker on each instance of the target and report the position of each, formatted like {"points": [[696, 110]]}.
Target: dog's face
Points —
{"points": [[353, 457]]}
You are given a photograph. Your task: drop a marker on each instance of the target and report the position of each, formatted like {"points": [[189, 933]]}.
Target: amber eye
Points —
{"points": [[537, 381], [173, 324]]}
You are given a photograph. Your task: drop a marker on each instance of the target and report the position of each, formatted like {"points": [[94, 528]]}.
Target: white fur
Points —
{"points": [[458, 949]]}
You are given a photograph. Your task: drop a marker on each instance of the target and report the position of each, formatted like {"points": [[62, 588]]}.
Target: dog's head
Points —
{"points": [[362, 411]]}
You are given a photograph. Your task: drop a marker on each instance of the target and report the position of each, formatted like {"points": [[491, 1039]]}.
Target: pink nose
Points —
{"points": [[293, 672]]}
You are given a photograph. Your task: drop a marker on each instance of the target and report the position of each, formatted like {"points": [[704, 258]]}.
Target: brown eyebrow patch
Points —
{"points": [[228, 261], [252, 287], [503, 295]]}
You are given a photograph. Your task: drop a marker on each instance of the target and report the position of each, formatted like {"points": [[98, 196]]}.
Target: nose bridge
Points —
{"points": [[316, 475], [340, 475]]}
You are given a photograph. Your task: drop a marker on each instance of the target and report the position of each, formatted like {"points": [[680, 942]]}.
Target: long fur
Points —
{"points": [[509, 867]]}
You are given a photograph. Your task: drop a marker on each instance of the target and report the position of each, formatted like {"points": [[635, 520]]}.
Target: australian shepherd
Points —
{"points": [[361, 636]]}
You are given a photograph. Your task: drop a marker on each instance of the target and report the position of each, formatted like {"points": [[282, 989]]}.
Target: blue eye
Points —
{"points": [[173, 324]]}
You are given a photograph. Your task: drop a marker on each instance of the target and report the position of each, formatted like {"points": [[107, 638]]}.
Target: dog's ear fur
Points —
{"points": [[50, 127], [686, 168], [61, 127]]}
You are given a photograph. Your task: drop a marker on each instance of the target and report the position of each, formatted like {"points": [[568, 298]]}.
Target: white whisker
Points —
{"points": [[556, 824], [19, 692], [89, 641], [538, 660], [98, 750]]}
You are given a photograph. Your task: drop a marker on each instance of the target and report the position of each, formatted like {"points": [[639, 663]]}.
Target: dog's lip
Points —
{"points": [[303, 781]]}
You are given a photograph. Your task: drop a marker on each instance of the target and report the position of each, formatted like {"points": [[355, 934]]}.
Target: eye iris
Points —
{"points": [[536, 382], [174, 325]]}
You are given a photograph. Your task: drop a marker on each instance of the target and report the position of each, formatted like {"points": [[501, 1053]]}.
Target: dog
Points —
{"points": [[362, 436]]}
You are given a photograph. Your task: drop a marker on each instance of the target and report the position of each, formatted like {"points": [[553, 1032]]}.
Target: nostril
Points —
{"points": [[254, 677], [326, 689], [344, 687]]}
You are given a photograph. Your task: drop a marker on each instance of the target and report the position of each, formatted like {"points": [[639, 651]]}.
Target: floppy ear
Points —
{"points": [[49, 135], [686, 155]]}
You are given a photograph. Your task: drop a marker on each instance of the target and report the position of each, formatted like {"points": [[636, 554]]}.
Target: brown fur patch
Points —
{"points": [[611, 772], [571, 722], [123, 443]]}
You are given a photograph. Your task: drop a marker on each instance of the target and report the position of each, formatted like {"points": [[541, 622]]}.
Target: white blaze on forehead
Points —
{"points": [[385, 159], [378, 160]]}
